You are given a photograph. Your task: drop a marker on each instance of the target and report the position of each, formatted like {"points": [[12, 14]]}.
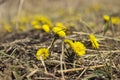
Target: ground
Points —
{"points": [[18, 47]]}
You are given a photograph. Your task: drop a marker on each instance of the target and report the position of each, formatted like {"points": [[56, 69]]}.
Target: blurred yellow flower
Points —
{"points": [[37, 27], [43, 19], [61, 34], [56, 29], [106, 17], [46, 28], [94, 41], [59, 31], [79, 48], [42, 53], [59, 24], [35, 22], [69, 42], [22, 28], [115, 20], [8, 28]]}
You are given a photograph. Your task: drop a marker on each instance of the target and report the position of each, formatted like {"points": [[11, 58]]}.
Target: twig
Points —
{"points": [[32, 73], [82, 73], [51, 45], [101, 36], [44, 65], [61, 58], [79, 69], [104, 51]]}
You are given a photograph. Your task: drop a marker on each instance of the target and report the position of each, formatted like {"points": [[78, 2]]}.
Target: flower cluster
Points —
{"points": [[59, 30], [41, 22], [114, 20], [8, 28], [78, 47]]}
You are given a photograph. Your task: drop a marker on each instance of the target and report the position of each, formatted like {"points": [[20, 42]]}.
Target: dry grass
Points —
{"points": [[17, 49]]}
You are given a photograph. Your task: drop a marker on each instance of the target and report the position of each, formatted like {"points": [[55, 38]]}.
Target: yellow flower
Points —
{"points": [[115, 20], [59, 24], [46, 28], [37, 27], [42, 53], [94, 41], [22, 28], [79, 48], [8, 28], [68, 41], [106, 17], [35, 22], [43, 19], [61, 34], [56, 29], [59, 31]]}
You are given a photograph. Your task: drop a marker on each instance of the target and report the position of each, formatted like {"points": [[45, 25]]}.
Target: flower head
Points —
{"points": [[42, 53], [37, 27], [59, 24], [22, 28], [94, 41], [61, 34], [115, 20], [46, 28], [43, 19], [106, 17], [59, 31], [69, 42], [35, 22], [79, 48], [8, 28]]}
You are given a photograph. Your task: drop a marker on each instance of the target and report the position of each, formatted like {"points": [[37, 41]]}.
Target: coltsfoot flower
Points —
{"points": [[42, 53], [115, 20], [106, 17], [94, 41], [35, 22], [22, 28], [61, 34], [37, 27], [69, 42], [59, 24], [59, 31], [79, 48], [8, 28], [46, 28]]}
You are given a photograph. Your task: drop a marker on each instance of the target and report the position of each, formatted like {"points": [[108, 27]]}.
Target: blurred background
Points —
{"points": [[90, 11], [9, 8]]}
